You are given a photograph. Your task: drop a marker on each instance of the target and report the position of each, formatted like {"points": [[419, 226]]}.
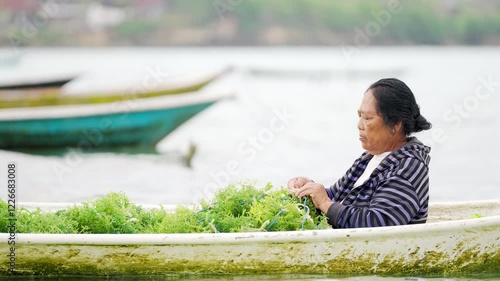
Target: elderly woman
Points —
{"points": [[389, 183]]}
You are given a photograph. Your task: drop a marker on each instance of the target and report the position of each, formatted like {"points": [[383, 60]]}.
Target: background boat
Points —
{"points": [[40, 83], [140, 121], [10, 60], [52, 91], [451, 244]]}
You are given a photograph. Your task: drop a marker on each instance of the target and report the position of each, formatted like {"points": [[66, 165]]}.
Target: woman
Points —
{"points": [[389, 183]]}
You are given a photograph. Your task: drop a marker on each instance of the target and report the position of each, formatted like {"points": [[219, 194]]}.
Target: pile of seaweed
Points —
{"points": [[237, 208]]}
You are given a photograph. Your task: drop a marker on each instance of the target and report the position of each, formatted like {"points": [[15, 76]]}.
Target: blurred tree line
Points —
{"points": [[276, 22]]}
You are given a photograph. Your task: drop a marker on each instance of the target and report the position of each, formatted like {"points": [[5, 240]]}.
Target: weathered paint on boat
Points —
{"points": [[142, 121], [56, 96], [450, 248]]}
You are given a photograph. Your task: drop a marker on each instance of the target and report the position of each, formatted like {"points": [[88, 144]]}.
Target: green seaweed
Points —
{"points": [[39, 221], [241, 208], [113, 213], [4, 216], [237, 208]]}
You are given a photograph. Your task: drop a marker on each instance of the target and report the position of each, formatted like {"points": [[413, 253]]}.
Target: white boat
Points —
{"points": [[63, 89], [37, 83], [452, 243]]}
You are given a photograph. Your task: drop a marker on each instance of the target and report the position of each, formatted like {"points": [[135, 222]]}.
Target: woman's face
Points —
{"points": [[374, 135]]}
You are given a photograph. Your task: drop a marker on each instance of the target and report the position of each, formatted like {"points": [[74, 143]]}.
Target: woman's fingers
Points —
{"points": [[292, 183], [297, 183], [318, 195], [305, 189]]}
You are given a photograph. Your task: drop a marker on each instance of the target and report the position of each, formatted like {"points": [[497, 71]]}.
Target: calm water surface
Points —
{"points": [[311, 94]]}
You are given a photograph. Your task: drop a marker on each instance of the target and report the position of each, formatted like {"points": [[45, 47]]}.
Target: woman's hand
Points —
{"points": [[318, 195], [297, 183]]}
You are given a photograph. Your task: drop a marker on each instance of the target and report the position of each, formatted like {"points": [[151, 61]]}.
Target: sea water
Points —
{"points": [[294, 113]]}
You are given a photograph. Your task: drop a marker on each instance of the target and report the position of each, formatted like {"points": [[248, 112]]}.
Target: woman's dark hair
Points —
{"points": [[396, 103]]}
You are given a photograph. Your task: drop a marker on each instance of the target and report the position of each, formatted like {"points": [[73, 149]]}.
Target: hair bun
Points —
{"points": [[421, 123]]}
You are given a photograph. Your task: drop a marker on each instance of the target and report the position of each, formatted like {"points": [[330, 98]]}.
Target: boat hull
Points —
{"points": [[50, 92], [53, 83], [446, 248], [142, 121], [84, 132]]}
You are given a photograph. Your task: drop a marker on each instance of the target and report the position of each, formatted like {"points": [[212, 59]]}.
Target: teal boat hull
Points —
{"points": [[145, 127]]}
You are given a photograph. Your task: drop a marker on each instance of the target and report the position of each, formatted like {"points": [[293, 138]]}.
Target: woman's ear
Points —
{"points": [[398, 127]]}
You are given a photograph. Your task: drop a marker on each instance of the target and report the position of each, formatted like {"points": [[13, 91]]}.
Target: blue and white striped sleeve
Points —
{"points": [[395, 202]]}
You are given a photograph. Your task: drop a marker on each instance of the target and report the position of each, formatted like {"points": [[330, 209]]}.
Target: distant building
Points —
{"points": [[27, 6], [17, 11], [99, 17]]}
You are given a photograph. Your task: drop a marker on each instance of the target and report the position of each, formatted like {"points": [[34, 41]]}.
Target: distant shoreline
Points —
{"points": [[249, 23]]}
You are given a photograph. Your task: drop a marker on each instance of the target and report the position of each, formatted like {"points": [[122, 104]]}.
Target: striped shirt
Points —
{"points": [[396, 193]]}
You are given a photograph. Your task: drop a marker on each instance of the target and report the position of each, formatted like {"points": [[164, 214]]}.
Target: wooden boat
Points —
{"points": [[140, 121], [32, 94], [42, 83], [452, 243]]}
